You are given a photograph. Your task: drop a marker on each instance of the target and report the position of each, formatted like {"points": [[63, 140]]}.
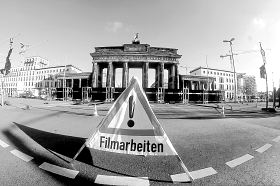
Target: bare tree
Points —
{"points": [[250, 86]]}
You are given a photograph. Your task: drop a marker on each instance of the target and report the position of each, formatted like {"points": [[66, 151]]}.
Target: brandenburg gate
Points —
{"points": [[134, 55]]}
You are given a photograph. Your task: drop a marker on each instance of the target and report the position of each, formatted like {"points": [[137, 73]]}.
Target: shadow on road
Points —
{"points": [[64, 147]]}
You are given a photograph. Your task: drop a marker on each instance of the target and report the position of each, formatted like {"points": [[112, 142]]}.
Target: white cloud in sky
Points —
{"points": [[114, 26]]}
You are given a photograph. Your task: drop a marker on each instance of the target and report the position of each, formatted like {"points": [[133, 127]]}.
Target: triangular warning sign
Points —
{"points": [[131, 127]]}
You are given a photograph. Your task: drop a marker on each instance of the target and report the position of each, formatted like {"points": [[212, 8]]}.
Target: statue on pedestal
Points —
{"points": [[136, 39]]}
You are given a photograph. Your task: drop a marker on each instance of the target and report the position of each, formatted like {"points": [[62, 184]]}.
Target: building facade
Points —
{"points": [[134, 55], [34, 76], [223, 80]]}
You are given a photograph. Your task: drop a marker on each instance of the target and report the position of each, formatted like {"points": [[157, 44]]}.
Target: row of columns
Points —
{"points": [[69, 82], [200, 85], [97, 75]]}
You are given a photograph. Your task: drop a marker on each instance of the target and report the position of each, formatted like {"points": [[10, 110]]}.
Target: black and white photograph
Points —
{"points": [[139, 93]]}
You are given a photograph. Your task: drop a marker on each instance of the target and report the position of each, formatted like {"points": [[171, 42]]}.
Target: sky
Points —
{"points": [[66, 31]]}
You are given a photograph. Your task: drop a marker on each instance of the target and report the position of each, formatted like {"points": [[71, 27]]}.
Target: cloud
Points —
{"points": [[114, 26], [259, 22]]}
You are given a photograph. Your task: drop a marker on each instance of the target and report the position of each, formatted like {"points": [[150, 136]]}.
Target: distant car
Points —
{"points": [[26, 94]]}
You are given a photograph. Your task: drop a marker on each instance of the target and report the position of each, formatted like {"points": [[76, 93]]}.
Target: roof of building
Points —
{"points": [[209, 69], [196, 78], [60, 66], [73, 75]]}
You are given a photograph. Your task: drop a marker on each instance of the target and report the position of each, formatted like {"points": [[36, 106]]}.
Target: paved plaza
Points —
{"points": [[239, 147]]}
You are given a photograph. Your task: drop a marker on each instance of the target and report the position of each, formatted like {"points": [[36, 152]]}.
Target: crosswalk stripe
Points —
{"points": [[122, 180], [59, 170], [21, 155]]}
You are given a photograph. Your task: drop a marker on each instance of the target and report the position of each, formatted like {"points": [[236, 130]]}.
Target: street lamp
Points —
{"points": [[234, 78]]}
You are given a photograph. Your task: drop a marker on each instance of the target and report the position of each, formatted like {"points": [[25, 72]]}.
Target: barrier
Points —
{"points": [[95, 111], [203, 97], [86, 94], [110, 94], [160, 95], [185, 95], [223, 111]]}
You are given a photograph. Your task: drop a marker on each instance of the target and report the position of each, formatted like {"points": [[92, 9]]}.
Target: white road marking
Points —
{"points": [[277, 139], [59, 170], [3, 144], [121, 180], [264, 148], [183, 177], [179, 178], [203, 173], [239, 161], [21, 155]]}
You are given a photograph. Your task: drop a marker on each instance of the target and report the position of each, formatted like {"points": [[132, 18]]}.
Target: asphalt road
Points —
{"points": [[240, 148]]}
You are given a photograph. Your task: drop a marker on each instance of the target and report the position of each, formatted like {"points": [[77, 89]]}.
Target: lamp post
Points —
{"points": [[2, 86], [234, 75], [6, 70], [64, 85]]}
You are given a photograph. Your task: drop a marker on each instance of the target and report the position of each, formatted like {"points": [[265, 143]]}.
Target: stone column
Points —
{"points": [[171, 77], [161, 75], [80, 83], [145, 75], [72, 83], [125, 75], [114, 77], [157, 77], [100, 77], [109, 74], [176, 81], [95, 72]]}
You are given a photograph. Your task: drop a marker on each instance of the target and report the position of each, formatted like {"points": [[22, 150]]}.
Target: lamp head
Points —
{"points": [[225, 41]]}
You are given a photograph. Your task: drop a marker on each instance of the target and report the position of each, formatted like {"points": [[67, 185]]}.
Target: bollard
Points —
{"points": [[95, 111], [27, 107], [223, 111]]}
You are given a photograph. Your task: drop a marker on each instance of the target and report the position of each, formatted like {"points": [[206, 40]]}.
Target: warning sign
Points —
{"points": [[131, 127]]}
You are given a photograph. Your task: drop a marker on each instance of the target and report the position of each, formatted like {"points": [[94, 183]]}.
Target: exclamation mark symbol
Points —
{"points": [[131, 107]]}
